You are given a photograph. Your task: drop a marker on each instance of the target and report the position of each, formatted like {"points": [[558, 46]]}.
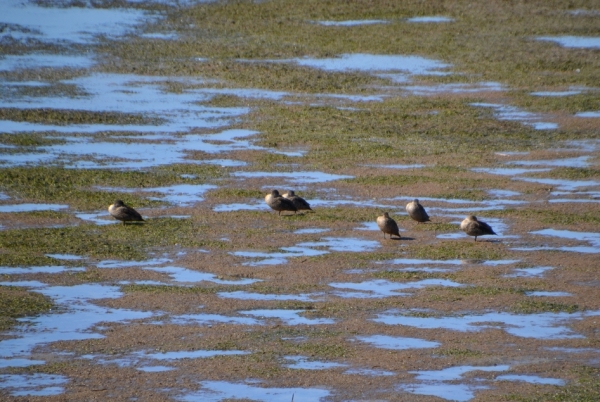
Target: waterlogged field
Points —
{"points": [[192, 111]]}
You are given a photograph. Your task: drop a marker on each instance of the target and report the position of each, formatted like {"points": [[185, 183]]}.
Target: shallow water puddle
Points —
{"points": [[311, 231], [178, 194], [540, 293], [578, 162], [428, 90], [289, 317], [592, 238], [579, 42], [179, 113], [588, 114], [513, 113], [298, 177], [276, 258], [141, 360], [36, 61], [575, 91], [540, 326], [69, 257], [123, 264], [211, 319], [559, 184], [31, 207], [351, 23], [532, 379], [382, 288], [73, 324], [303, 363], [509, 171], [184, 275], [535, 272], [307, 249], [214, 391], [437, 382], [397, 342], [38, 270], [429, 19], [67, 24], [33, 384], [397, 68]]}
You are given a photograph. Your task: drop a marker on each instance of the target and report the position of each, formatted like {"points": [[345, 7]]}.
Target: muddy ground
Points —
{"points": [[216, 296]]}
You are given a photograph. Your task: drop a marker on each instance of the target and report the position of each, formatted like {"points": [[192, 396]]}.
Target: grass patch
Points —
{"points": [[408, 275], [16, 302], [76, 186], [457, 352], [585, 389], [550, 216], [532, 307], [466, 194], [123, 242], [158, 289], [462, 250], [226, 193], [482, 290], [573, 173], [63, 117], [28, 140]]}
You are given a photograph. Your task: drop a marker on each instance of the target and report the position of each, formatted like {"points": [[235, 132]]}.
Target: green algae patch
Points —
{"points": [[228, 193], [16, 302], [123, 242], [82, 189], [29, 140], [64, 117], [585, 388], [411, 275], [534, 307], [462, 250]]}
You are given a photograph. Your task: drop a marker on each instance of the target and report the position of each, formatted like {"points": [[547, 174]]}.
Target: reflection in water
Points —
{"points": [[581, 42], [215, 391], [540, 326], [397, 342], [437, 382], [289, 317], [303, 363], [33, 384]]}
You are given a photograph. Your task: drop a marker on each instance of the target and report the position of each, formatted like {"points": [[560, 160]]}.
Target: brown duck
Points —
{"points": [[473, 227], [298, 201], [416, 211], [278, 203], [388, 225], [125, 214]]}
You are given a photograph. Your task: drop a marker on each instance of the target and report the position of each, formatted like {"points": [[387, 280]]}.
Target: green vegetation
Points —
{"points": [[77, 187], [64, 117], [16, 302], [461, 249], [585, 389], [126, 242], [533, 306], [410, 275]]}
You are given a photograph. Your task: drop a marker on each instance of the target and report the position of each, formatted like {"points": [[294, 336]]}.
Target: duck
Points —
{"points": [[417, 212], [388, 225], [279, 203], [124, 213], [474, 227], [298, 201]]}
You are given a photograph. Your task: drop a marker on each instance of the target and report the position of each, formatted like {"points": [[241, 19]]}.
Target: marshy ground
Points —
{"points": [[191, 112]]}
